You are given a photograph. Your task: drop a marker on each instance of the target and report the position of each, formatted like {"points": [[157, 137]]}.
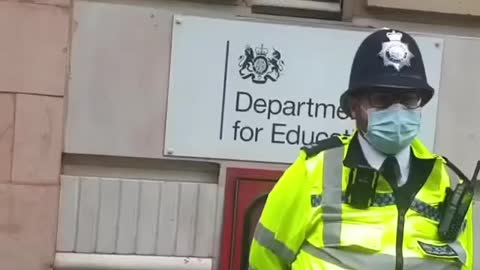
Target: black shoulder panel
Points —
{"points": [[314, 149]]}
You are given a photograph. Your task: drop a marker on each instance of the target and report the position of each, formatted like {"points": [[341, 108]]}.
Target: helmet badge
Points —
{"points": [[394, 52]]}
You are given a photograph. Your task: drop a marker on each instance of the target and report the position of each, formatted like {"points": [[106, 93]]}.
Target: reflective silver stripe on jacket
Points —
{"points": [[425, 263], [462, 254], [267, 239], [331, 203], [351, 260], [332, 196]]}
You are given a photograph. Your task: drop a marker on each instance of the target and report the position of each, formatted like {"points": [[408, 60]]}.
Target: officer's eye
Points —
{"points": [[410, 100], [380, 100]]}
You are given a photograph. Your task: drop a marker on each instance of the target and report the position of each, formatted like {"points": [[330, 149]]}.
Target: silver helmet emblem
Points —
{"points": [[394, 52]]}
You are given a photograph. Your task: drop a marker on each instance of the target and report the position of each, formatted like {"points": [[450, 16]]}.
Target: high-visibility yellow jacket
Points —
{"points": [[306, 223]]}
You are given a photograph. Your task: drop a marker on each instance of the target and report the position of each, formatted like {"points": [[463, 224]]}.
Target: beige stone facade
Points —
{"points": [[34, 65]]}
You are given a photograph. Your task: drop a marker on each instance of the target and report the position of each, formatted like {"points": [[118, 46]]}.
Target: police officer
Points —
{"points": [[372, 200]]}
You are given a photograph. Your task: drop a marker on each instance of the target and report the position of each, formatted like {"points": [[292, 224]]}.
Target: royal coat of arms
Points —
{"points": [[259, 65]]}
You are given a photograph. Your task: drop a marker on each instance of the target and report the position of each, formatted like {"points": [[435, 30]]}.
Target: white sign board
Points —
{"points": [[219, 108]]}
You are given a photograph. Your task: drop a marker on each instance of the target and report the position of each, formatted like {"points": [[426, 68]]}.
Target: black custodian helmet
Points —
{"points": [[390, 59]]}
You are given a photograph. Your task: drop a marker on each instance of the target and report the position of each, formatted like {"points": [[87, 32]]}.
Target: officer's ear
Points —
{"points": [[354, 106], [354, 113]]}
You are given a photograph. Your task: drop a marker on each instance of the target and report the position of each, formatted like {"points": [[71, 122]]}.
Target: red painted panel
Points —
{"points": [[243, 186], [247, 192]]}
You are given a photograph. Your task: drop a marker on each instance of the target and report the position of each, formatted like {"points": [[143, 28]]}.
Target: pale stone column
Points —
{"points": [[34, 49]]}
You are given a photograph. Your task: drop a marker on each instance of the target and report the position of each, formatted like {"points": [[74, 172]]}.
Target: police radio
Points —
{"points": [[360, 191], [456, 205]]}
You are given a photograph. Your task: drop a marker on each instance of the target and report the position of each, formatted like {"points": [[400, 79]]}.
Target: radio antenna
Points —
{"points": [[477, 171]]}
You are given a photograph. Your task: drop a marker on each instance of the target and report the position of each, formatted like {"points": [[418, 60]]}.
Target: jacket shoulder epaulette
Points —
{"points": [[315, 148]]}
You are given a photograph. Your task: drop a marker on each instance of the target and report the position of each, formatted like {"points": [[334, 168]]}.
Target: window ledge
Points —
{"points": [[75, 261]]}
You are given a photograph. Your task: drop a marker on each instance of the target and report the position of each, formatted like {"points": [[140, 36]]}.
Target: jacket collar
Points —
{"points": [[422, 161], [354, 157]]}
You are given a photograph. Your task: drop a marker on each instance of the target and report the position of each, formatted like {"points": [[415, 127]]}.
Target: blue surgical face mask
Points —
{"points": [[392, 129]]}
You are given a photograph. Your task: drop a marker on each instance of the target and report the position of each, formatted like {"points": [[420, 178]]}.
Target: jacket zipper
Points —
{"points": [[400, 232], [399, 242]]}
